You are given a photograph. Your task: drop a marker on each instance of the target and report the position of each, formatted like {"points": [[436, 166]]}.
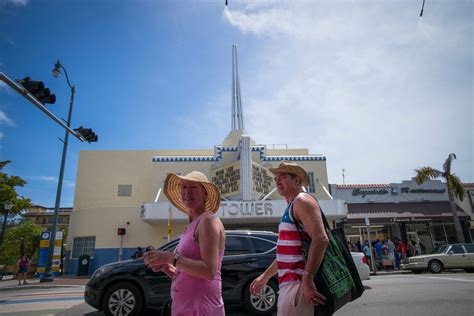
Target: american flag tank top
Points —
{"points": [[290, 259]]}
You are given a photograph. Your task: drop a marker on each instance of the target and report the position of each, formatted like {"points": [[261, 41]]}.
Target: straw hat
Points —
{"points": [[173, 190], [293, 168]]}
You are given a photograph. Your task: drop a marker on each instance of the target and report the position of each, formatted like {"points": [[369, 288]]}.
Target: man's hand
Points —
{"points": [[258, 284], [310, 293]]}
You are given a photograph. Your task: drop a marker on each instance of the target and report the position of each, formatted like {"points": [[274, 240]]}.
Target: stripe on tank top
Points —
{"points": [[289, 255]]}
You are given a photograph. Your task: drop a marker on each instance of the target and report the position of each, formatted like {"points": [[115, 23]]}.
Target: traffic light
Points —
{"points": [[88, 134], [121, 231], [36, 88]]}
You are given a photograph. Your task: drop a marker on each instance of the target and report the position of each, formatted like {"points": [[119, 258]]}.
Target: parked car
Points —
{"points": [[128, 287], [452, 256], [361, 265]]}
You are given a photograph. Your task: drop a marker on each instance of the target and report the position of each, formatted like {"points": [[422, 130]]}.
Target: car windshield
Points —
{"points": [[439, 249]]}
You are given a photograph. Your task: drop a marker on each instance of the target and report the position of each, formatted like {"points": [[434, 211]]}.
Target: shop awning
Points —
{"points": [[405, 210]]}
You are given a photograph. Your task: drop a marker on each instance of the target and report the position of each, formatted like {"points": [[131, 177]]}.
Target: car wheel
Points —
{"points": [[435, 266], [122, 299], [264, 304]]}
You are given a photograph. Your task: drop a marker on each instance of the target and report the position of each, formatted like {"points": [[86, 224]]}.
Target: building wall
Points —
{"points": [[99, 211]]}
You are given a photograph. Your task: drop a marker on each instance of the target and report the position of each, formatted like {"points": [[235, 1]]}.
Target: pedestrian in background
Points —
{"points": [[138, 253], [195, 266], [298, 293], [411, 251], [367, 253], [378, 253], [23, 264]]}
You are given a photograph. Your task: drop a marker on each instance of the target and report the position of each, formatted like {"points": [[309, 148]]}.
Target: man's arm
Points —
{"points": [[307, 212]]}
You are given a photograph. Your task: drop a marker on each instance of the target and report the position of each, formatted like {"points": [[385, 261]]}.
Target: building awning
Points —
{"points": [[407, 210]]}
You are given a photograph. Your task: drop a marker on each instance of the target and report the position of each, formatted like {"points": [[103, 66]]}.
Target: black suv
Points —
{"points": [[129, 287]]}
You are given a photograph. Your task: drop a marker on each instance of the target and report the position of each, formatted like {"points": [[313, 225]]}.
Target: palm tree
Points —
{"points": [[455, 188]]}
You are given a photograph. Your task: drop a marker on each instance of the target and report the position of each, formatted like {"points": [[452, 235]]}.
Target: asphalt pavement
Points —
{"points": [[388, 293]]}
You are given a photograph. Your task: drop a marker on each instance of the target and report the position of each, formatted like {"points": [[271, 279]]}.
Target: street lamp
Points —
{"points": [[7, 206], [48, 276]]}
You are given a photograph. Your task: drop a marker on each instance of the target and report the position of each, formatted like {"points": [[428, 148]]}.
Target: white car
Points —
{"points": [[361, 264]]}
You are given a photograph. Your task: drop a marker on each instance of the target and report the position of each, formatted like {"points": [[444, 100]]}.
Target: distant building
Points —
{"points": [[43, 216], [123, 189], [405, 210]]}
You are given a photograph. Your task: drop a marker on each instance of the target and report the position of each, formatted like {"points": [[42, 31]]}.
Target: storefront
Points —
{"points": [[408, 211]]}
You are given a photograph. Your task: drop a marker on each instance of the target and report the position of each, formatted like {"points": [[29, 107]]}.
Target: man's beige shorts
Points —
{"points": [[291, 301]]}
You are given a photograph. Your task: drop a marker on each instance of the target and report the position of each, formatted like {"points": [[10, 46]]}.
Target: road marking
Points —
{"points": [[451, 279]]}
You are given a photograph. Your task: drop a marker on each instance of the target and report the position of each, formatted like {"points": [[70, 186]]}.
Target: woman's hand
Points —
{"points": [[156, 260]]}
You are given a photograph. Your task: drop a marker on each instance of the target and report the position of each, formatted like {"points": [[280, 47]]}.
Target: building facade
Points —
{"points": [[43, 216], [122, 189], [406, 210]]}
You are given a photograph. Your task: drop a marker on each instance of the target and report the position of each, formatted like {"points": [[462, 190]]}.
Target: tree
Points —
{"points": [[22, 239], [8, 194], [455, 188]]}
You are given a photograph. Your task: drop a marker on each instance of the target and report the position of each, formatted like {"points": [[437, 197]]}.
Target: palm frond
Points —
{"points": [[448, 162], [455, 184], [425, 173]]}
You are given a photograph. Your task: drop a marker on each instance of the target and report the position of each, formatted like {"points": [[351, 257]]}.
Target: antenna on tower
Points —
{"points": [[343, 176], [237, 114]]}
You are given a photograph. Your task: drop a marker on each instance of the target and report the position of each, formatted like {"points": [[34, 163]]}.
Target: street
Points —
{"points": [[409, 294], [396, 294]]}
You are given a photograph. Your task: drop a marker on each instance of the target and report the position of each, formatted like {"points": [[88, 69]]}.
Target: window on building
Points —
{"points": [[311, 186], [124, 190], [83, 246]]}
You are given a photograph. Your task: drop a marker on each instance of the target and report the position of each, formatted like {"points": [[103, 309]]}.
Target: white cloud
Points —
{"points": [[5, 120], [47, 178], [372, 86], [20, 3]]}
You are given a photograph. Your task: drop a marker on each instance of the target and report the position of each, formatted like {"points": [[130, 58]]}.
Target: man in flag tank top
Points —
{"points": [[297, 292]]}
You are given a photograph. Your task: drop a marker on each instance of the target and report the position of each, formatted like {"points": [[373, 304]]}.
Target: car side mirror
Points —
{"points": [[450, 252]]}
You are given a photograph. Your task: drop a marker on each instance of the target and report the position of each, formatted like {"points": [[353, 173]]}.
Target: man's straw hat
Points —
{"points": [[173, 190], [293, 168]]}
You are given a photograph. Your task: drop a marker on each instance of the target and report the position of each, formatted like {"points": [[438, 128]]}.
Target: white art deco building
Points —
{"points": [[122, 189]]}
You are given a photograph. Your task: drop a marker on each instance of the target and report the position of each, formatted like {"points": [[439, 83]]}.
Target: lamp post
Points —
{"points": [[7, 206], [48, 276]]}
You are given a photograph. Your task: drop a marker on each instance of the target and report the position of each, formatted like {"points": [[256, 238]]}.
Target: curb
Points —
{"points": [[398, 272], [34, 286]]}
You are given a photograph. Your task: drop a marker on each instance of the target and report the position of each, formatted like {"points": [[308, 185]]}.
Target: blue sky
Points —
{"points": [[371, 85]]}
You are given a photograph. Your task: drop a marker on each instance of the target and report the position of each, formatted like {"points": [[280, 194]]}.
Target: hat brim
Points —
{"points": [[296, 170], [172, 191]]}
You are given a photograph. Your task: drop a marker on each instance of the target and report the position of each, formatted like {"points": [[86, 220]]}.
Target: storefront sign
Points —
{"points": [[471, 196], [44, 253], [241, 209], [408, 190], [363, 193]]}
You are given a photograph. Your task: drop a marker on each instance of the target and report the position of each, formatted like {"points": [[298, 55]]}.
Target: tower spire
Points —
{"points": [[237, 114]]}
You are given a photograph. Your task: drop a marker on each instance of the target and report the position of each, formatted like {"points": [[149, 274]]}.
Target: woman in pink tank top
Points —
{"points": [[195, 266]]}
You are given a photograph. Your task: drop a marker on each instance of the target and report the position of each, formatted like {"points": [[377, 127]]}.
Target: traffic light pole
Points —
{"points": [[48, 275], [38, 104]]}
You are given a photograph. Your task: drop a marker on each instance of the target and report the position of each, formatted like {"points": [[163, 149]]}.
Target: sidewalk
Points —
{"points": [[63, 280]]}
